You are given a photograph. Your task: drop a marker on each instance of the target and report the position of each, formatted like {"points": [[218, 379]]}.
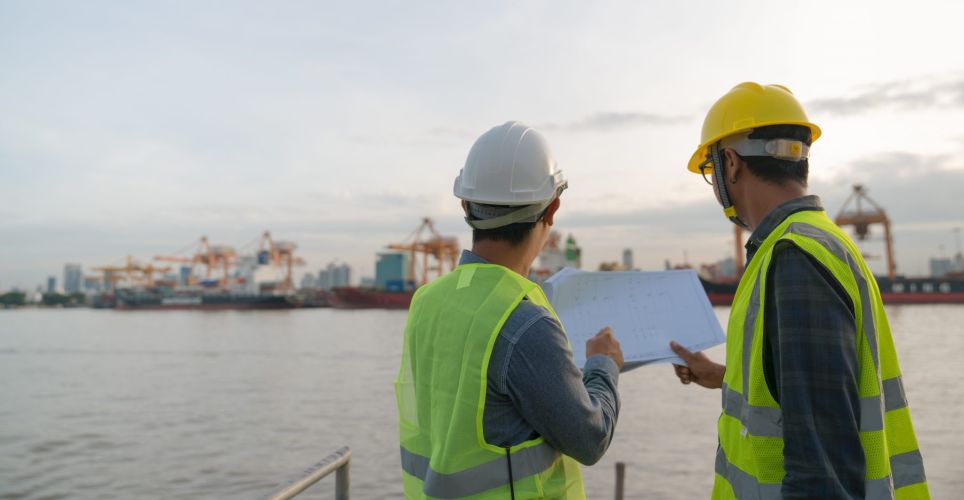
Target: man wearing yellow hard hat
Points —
{"points": [[813, 403]]}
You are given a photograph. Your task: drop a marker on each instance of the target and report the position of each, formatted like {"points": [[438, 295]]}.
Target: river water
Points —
{"points": [[128, 404]]}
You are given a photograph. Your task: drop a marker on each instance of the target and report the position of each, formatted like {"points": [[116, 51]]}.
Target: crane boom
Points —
{"points": [[862, 218], [437, 252]]}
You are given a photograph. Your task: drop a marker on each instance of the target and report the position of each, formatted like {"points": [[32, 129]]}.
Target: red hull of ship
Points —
{"points": [[362, 298], [726, 299], [203, 307]]}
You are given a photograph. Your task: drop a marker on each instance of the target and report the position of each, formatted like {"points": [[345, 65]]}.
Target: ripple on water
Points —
{"points": [[49, 446]]}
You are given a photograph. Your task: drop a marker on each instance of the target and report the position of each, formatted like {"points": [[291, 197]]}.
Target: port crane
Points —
{"points": [[211, 257], [281, 254], [862, 217], [132, 271], [426, 242]]}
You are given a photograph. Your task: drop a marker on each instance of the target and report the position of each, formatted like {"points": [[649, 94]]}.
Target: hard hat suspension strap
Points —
{"points": [[520, 215], [719, 178], [526, 213]]}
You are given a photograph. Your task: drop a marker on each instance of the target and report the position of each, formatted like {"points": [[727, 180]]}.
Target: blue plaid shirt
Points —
{"points": [[810, 365]]}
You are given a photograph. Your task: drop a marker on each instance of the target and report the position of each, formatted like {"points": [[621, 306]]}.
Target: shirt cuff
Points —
{"points": [[604, 363]]}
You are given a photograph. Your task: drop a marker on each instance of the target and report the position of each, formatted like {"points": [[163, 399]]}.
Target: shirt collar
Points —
{"points": [[468, 257], [776, 217]]}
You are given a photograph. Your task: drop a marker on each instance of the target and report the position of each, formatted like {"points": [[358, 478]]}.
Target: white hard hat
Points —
{"points": [[510, 165]]}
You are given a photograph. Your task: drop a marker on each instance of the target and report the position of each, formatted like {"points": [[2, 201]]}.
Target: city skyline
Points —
{"points": [[135, 129]]}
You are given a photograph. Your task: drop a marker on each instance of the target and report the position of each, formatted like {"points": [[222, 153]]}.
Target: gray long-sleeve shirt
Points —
{"points": [[534, 388]]}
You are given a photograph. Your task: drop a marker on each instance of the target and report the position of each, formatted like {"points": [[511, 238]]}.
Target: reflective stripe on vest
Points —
{"points": [[763, 421], [526, 462], [766, 421], [907, 469]]}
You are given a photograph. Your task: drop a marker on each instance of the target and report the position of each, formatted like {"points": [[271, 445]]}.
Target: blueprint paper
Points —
{"points": [[646, 310]]}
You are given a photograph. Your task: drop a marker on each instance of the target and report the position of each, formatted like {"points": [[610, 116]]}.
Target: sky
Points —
{"points": [[135, 127]]}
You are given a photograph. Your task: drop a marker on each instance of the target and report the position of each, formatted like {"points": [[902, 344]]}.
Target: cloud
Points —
{"points": [[911, 187], [907, 95], [610, 121]]}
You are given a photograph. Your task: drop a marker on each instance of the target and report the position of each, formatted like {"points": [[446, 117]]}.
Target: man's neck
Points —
{"points": [[769, 196], [514, 257]]}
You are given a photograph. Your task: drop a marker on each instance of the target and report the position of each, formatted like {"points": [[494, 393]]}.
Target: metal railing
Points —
{"points": [[337, 462], [620, 480]]}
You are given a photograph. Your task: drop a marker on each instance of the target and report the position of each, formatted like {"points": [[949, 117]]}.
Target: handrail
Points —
{"points": [[620, 480], [337, 462]]}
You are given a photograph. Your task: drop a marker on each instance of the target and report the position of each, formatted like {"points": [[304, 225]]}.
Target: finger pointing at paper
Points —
{"points": [[699, 368]]}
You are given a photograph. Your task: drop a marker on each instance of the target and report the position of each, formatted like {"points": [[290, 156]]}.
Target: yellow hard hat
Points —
{"points": [[747, 106]]}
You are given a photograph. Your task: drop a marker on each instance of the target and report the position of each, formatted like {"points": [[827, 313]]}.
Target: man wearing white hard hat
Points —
{"points": [[490, 402]]}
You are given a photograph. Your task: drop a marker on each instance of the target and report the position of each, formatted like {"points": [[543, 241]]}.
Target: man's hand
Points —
{"points": [[605, 343], [700, 368]]}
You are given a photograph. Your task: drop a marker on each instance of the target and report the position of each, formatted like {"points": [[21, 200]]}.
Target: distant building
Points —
{"points": [[73, 277], [728, 266], [720, 271], [573, 253], [628, 259], [309, 281], [334, 276], [51, 284], [552, 258], [392, 269], [342, 275], [93, 284]]}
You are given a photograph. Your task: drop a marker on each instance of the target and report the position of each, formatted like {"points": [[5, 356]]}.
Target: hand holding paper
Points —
{"points": [[647, 310], [698, 368], [606, 344]]}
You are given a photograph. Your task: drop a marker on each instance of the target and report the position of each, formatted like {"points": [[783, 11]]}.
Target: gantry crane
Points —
{"points": [[862, 217], [114, 274], [212, 257], [443, 250], [132, 271], [281, 254]]}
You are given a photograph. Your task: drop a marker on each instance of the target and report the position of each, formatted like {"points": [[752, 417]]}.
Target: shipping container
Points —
{"points": [[264, 257]]}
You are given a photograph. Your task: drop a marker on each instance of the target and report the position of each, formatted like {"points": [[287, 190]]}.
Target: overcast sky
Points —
{"points": [[133, 128]]}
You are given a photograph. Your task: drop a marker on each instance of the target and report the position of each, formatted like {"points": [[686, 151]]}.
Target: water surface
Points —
{"points": [[131, 404]]}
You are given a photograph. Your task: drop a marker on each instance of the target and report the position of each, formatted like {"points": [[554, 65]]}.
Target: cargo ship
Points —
{"points": [[370, 298], [945, 286], [126, 299], [406, 266], [213, 277], [401, 269], [899, 290]]}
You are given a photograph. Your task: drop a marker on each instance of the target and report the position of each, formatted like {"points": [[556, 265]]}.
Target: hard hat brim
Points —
{"points": [[699, 156]]}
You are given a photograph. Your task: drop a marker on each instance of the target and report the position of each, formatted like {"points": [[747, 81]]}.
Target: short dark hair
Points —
{"points": [[513, 234], [776, 171]]}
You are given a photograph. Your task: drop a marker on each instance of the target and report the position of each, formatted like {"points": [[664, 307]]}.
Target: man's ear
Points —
{"points": [[734, 166], [551, 212]]}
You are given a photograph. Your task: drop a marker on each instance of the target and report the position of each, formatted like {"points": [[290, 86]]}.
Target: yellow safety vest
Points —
{"points": [[452, 326], [749, 462]]}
